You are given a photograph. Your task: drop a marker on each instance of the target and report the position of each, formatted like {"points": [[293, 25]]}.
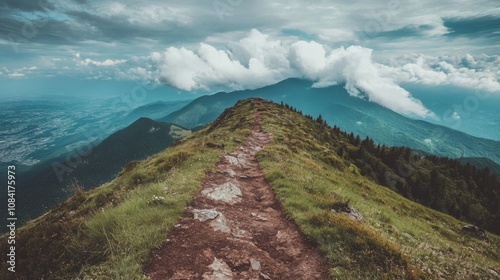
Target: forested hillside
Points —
{"points": [[462, 191]]}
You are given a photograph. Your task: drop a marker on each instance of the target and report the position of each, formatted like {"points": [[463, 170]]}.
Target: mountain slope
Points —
{"points": [[156, 109], [51, 182], [94, 234], [350, 114], [246, 225]]}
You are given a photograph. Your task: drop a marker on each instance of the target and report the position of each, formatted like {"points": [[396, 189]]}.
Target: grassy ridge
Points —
{"points": [[397, 239], [109, 232]]}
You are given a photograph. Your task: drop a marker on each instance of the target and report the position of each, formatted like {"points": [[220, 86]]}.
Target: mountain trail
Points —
{"points": [[235, 229]]}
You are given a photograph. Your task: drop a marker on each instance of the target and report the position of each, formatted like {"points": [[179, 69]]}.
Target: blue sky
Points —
{"points": [[371, 46]]}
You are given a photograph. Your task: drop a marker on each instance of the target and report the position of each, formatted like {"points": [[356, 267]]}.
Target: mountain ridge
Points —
{"points": [[350, 114], [314, 173], [156, 109]]}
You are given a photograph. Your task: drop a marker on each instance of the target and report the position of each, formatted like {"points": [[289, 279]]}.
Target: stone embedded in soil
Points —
{"points": [[219, 270], [255, 264], [261, 218], [220, 224], [281, 236], [230, 172], [235, 236], [351, 212], [218, 221], [476, 231], [227, 192], [205, 214], [237, 161], [265, 276]]}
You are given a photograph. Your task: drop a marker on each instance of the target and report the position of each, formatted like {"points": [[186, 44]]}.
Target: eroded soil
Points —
{"points": [[235, 229]]}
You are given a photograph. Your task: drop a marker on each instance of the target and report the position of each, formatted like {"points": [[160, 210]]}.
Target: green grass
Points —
{"points": [[109, 232], [179, 132], [130, 230], [398, 239]]}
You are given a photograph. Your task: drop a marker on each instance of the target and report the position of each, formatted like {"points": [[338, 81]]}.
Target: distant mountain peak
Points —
{"points": [[350, 113]]}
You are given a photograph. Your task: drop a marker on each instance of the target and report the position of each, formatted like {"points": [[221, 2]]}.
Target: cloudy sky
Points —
{"points": [[372, 47]]}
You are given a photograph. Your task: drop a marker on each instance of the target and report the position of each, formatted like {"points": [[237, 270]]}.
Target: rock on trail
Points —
{"points": [[236, 229]]}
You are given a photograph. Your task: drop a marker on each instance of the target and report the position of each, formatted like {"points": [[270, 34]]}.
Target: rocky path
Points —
{"points": [[234, 229]]}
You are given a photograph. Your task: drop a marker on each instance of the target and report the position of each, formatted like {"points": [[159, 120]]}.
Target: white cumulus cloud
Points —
{"points": [[207, 67], [479, 72], [308, 58], [106, 63], [257, 61], [16, 75]]}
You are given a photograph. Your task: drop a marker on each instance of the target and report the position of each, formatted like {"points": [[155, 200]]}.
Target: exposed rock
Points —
{"points": [[228, 192], [255, 264], [262, 218], [238, 161], [230, 172], [349, 211], [220, 224], [245, 247], [265, 276], [353, 213], [476, 231], [281, 236], [205, 214], [259, 217], [218, 221], [220, 270], [232, 160]]}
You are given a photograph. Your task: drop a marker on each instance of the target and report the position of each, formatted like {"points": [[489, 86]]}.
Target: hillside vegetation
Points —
{"points": [[482, 163], [49, 183], [109, 232], [463, 191], [315, 169], [351, 114]]}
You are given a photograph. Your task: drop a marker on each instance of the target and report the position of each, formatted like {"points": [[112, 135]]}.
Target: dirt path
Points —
{"points": [[234, 229]]}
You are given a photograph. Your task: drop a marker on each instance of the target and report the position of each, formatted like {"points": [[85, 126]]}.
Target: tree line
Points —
{"points": [[444, 184]]}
